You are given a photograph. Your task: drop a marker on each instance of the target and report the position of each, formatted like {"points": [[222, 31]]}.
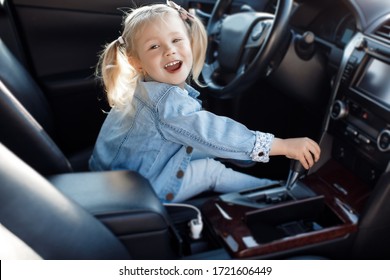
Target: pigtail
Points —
{"points": [[119, 78], [199, 46]]}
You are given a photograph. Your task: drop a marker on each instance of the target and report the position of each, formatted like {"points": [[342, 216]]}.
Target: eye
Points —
{"points": [[176, 40], [153, 47]]}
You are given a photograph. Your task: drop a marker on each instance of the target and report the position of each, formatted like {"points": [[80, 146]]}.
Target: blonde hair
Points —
{"points": [[119, 76]]}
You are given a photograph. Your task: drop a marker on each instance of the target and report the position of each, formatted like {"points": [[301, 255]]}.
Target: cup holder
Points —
{"points": [[273, 198], [264, 197]]}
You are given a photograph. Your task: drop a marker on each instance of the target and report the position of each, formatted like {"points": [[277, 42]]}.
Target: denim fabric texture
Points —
{"points": [[159, 131]]}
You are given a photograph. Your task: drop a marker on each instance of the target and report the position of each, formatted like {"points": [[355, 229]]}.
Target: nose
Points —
{"points": [[169, 50]]}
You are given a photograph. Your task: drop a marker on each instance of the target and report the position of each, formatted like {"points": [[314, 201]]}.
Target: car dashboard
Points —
{"points": [[360, 102]]}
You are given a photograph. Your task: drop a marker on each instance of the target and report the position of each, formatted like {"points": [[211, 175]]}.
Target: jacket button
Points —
{"points": [[189, 149], [180, 174], [169, 196]]}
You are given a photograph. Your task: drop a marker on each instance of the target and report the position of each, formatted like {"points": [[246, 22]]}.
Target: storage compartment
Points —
{"points": [[249, 230], [301, 217]]}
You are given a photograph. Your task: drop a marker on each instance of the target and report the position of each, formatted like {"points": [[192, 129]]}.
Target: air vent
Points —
{"points": [[384, 31]]}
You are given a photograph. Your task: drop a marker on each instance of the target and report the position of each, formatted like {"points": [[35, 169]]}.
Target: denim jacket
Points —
{"points": [[158, 131]]}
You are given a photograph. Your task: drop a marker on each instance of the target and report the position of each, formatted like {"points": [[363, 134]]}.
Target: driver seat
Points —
{"points": [[26, 121]]}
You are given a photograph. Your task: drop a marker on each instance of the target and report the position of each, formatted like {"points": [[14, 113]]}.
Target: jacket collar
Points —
{"points": [[153, 91]]}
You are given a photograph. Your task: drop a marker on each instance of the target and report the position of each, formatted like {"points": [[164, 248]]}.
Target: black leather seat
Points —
{"points": [[34, 214], [26, 121]]}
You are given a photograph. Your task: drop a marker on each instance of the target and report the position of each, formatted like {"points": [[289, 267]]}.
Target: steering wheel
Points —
{"points": [[241, 46]]}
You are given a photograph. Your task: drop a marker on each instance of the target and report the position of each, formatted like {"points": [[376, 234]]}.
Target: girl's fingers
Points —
{"points": [[314, 150], [309, 159], [311, 154]]}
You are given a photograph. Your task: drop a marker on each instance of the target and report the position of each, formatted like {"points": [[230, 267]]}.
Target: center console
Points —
{"points": [[360, 115], [337, 207]]}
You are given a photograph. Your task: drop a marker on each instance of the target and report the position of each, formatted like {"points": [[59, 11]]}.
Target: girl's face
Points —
{"points": [[164, 51]]}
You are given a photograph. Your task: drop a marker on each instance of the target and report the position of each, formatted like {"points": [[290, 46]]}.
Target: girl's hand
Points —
{"points": [[303, 149]]}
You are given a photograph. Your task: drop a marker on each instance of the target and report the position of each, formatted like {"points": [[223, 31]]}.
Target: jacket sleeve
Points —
{"points": [[182, 120]]}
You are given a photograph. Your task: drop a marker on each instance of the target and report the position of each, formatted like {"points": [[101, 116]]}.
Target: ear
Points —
{"points": [[136, 63]]}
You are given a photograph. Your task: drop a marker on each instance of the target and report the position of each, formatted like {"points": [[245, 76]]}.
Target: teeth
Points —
{"points": [[172, 63]]}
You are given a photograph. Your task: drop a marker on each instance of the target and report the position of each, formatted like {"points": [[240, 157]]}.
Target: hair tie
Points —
{"points": [[185, 15], [121, 41]]}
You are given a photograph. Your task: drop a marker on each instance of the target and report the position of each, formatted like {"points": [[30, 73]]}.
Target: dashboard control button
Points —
{"points": [[351, 130], [364, 139], [339, 110], [383, 140]]}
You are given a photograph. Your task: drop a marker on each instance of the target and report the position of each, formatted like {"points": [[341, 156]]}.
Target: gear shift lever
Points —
{"points": [[296, 170]]}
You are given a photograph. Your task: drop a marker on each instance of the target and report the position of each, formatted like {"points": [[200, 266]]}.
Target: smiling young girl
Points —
{"points": [[157, 126]]}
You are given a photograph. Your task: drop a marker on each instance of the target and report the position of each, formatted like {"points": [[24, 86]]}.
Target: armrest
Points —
{"points": [[119, 198], [127, 204]]}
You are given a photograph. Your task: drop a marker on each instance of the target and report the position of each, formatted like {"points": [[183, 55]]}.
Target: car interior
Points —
{"points": [[294, 68]]}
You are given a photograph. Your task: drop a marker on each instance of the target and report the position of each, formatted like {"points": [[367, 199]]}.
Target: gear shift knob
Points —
{"points": [[296, 170]]}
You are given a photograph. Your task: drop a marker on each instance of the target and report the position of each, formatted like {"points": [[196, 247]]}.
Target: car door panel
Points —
{"points": [[62, 40]]}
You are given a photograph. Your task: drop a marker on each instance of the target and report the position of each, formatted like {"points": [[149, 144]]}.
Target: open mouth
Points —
{"points": [[173, 66]]}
